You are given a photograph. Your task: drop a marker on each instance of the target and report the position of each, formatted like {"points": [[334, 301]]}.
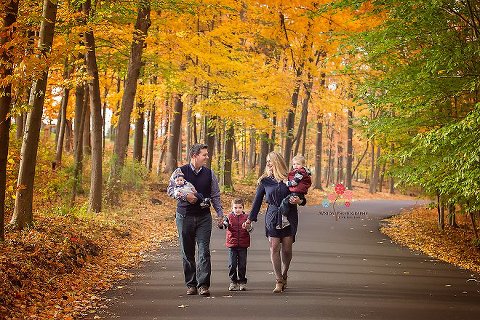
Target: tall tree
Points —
{"points": [[172, 151], [23, 214], [96, 180], [6, 58], [123, 128]]}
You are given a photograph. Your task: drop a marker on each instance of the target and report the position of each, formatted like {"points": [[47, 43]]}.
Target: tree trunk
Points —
{"points": [[229, 140], [376, 171], [23, 215], [452, 216], [189, 128], [392, 181], [339, 162], [318, 153], [163, 146], [151, 138], [348, 173], [372, 168], [271, 145], [7, 58], [304, 115], [138, 134], [263, 153], [441, 212], [81, 105], [251, 150], [63, 117], [147, 137], [96, 180], [172, 152], [19, 120], [87, 141], [123, 128], [210, 137]]}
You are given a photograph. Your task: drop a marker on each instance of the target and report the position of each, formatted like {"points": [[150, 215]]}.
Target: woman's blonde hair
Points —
{"points": [[279, 168]]}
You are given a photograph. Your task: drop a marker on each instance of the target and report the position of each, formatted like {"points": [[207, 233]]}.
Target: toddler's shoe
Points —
{"points": [[225, 222]]}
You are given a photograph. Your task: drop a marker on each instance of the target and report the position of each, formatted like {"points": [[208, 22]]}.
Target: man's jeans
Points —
{"points": [[192, 231], [237, 261]]}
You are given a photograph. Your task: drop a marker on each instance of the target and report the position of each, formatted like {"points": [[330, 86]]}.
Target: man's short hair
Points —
{"points": [[195, 149]]}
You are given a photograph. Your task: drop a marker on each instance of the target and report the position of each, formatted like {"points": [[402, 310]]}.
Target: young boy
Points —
{"points": [[183, 187], [237, 242], [298, 183]]}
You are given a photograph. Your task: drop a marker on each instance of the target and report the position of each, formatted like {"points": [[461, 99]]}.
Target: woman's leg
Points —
{"points": [[275, 257], [286, 253]]}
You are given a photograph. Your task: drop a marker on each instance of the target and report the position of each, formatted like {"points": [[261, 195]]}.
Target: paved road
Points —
{"points": [[342, 269]]}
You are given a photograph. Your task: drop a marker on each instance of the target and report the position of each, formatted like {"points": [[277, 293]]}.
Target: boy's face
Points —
{"points": [[296, 164], [237, 208], [179, 181]]}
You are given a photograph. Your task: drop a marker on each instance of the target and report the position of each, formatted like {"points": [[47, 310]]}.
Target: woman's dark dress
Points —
{"points": [[274, 193]]}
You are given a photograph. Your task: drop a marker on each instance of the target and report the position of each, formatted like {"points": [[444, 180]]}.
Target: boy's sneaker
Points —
{"points": [[203, 291], [205, 203], [232, 287], [242, 287]]}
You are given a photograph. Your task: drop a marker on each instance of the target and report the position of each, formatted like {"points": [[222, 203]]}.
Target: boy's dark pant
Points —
{"points": [[237, 264]]}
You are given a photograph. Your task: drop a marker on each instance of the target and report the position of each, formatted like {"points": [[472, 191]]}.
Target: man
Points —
{"points": [[194, 221]]}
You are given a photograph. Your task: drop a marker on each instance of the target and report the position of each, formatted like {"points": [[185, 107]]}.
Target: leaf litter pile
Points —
{"points": [[418, 230], [56, 269]]}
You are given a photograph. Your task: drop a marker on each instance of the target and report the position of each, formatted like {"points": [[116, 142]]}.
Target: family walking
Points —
{"points": [[282, 191]]}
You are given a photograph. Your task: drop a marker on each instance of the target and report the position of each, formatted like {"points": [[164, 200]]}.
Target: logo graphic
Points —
{"points": [[339, 194]]}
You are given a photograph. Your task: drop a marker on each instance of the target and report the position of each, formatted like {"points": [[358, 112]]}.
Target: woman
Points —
{"points": [[271, 186]]}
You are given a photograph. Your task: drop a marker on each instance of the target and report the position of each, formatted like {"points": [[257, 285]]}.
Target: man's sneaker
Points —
{"points": [[242, 287], [203, 291], [233, 287], [191, 291], [205, 203]]}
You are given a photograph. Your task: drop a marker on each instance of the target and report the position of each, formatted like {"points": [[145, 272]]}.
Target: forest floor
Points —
{"points": [[57, 269]]}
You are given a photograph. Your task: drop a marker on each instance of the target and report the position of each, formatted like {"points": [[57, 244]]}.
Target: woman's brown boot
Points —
{"points": [[278, 286], [284, 282]]}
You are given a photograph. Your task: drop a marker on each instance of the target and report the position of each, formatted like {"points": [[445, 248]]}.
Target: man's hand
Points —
{"points": [[220, 222], [191, 198]]}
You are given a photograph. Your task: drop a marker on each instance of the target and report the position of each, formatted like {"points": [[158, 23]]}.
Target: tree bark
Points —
{"points": [[229, 140], [151, 138], [23, 215], [210, 137], [121, 140], [87, 141], [172, 151], [263, 153], [81, 105], [63, 116], [96, 180], [7, 58], [138, 134], [318, 153], [348, 173], [376, 171]]}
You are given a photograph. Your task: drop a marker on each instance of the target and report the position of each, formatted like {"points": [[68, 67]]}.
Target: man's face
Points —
{"points": [[200, 159]]}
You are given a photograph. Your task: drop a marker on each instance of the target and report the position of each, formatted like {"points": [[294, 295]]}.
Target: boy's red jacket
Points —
{"points": [[236, 235]]}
